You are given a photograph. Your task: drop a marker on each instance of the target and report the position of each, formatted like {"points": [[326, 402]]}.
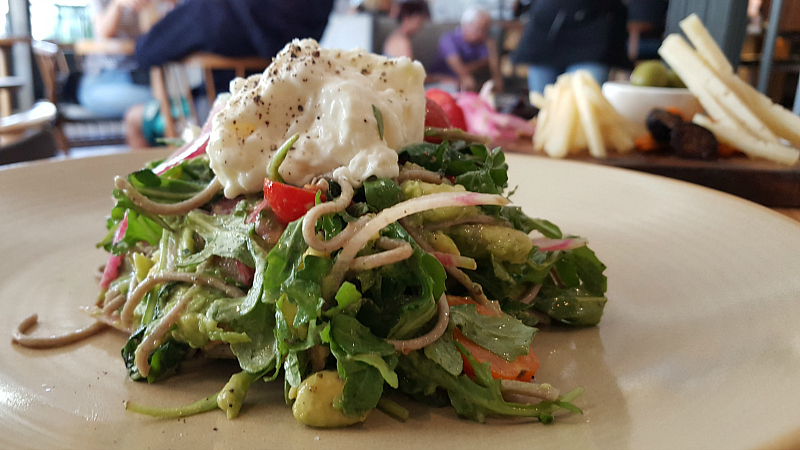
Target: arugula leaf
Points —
{"points": [[351, 342], [347, 299], [473, 399], [400, 298], [227, 236], [261, 353], [382, 193], [129, 353], [140, 228], [586, 268], [284, 259], [473, 165], [520, 221], [299, 277], [294, 367], [505, 281], [363, 386], [354, 338], [166, 359], [444, 352], [163, 361], [176, 184], [572, 306], [363, 361], [504, 336]]}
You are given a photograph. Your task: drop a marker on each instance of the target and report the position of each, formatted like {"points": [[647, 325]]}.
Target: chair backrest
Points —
{"points": [[210, 62], [170, 85], [52, 67]]}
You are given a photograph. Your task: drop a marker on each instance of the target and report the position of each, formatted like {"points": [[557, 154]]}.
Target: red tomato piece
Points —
{"points": [[522, 368], [454, 112], [435, 115], [289, 203], [453, 300]]}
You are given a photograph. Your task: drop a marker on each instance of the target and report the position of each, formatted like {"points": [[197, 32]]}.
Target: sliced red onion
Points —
{"points": [[246, 273], [450, 260], [551, 245], [225, 206], [111, 271], [198, 146], [189, 150], [252, 216], [395, 213]]}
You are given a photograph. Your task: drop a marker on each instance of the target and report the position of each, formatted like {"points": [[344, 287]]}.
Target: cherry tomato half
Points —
{"points": [[435, 115], [289, 203], [454, 112]]}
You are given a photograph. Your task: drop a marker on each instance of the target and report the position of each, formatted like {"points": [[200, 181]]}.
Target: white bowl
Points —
{"points": [[636, 102]]}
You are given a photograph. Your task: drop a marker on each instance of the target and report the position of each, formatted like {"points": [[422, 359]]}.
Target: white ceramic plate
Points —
{"points": [[699, 346]]}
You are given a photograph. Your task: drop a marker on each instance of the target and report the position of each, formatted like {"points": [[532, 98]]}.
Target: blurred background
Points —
{"points": [[113, 68]]}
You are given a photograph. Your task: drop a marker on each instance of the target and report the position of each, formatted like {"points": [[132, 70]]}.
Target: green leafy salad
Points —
{"points": [[427, 285]]}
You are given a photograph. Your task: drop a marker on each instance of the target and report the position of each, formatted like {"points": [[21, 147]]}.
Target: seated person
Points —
{"points": [[411, 15], [233, 28], [565, 36], [107, 87], [467, 51]]}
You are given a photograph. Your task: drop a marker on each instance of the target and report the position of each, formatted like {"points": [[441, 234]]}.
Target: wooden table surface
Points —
{"points": [[794, 213], [772, 184]]}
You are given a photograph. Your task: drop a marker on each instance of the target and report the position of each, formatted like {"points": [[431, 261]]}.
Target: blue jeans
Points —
{"points": [[541, 76], [111, 92]]}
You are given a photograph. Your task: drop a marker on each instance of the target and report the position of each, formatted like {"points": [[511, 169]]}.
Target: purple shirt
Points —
{"points": [[453, 43]]}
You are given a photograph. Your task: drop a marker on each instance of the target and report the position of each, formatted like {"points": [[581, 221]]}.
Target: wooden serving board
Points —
{"points": [[764, 182]]}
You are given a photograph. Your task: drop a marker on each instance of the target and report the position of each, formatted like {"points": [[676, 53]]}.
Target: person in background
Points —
{"points": [[233, 28], [568, 35], [647, 20], [467, 51], [412, 16], [111, 84]]}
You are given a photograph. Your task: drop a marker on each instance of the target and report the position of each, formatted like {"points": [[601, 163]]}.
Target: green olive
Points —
{"points": [[673, 80], [650, 73]]}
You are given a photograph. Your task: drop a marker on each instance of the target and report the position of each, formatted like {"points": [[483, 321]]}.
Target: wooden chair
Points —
{"points": [[27, 135], [54, 71], [210, 62], [169, 82]]}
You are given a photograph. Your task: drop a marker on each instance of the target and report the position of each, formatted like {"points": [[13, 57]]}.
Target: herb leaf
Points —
{"points": [[379, 119]]}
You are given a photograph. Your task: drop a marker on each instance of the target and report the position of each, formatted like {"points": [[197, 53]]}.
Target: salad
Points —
{"points": [[322, 236]]}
